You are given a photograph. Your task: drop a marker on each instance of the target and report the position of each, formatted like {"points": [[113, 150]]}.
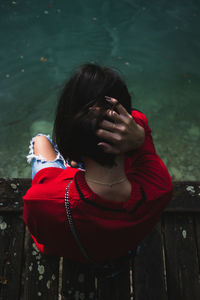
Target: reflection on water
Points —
{"points": [[155, 44]]}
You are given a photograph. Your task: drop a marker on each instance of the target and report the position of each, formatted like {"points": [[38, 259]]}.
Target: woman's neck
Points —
{"points": [[104, 174], [110, 183]]}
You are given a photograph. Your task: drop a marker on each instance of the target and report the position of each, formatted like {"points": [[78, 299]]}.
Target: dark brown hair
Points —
{"points": [[76, 122]]}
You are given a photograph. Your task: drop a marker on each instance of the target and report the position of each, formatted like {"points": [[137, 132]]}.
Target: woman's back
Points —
{"points": [[118, 193], [110, 183], [119, 197], [106, 228]]}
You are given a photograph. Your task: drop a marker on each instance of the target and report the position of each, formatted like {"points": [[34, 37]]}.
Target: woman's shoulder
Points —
{"points": [[50, 184], [52, 174]]}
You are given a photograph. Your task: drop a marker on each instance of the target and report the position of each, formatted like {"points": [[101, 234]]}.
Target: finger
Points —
{"points": [[95, 108], [108, 148], [73, 164], [114, 116], [122, 110], [112, 137], [110, 126], [115, 103]]}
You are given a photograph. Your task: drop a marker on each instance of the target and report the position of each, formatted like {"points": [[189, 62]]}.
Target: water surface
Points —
{"points": [[155, 44]]}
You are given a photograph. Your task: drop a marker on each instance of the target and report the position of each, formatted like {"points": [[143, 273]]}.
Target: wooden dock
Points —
{"points": [[167, 266]]}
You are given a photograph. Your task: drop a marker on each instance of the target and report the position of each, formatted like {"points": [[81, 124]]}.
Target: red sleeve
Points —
{"points": [[146, 167], [46, 175], [30, 216], [148, 146], [43, 202]]}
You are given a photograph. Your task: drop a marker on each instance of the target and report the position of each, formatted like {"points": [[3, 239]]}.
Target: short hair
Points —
{"points": [[76, 123]]}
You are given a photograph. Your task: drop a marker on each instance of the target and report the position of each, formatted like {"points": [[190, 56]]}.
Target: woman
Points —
{"points": [[111, 200]]}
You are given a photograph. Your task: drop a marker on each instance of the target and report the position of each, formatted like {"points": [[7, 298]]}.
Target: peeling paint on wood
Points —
{"points": [[48, 284], [41, 269], [3, 225], [13, 186], [184, 234]]}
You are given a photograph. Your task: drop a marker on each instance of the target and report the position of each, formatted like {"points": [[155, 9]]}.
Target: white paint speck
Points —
{"points": [[46, 12], [190, 188], [30, 268], [39, 294], [48, 284], [3, 225], [34, 252], [41, 269], [38, 256], [53, 277], [40, 277], [184, 234], [34, 246], [13, 186]]}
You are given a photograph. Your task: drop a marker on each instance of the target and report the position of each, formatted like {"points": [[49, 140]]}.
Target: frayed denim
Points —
{"points": [[39, 162]]}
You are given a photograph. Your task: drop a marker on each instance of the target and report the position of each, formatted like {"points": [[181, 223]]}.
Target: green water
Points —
{"points": [[155, 44]]}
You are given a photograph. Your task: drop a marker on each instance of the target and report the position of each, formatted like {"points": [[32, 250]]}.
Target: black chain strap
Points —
{"points": [[107, 270], [71, 225]]}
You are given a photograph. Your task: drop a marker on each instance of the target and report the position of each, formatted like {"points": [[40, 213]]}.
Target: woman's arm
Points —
{"points": [[129, 133]]}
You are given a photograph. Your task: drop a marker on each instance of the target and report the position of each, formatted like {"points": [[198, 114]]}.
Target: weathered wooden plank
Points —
{"points": [[11, 249], [181, 258], [149, 268], [186, 197], [78, 281], [83, 282], [197, 232], [11, 192], [40, 274], [116, 287], [182, 252]]}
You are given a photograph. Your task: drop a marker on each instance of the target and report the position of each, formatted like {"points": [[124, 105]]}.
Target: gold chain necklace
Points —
{"points": [[109, 184]]}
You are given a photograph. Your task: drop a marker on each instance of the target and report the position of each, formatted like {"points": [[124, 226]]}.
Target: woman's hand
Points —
{"points": [[123, 134]]}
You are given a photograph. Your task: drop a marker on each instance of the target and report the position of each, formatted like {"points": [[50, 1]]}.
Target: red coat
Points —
{"points": [[106, 229]]}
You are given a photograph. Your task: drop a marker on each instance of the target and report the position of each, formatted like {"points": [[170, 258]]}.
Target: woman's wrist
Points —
{"points": [[138, 138]]}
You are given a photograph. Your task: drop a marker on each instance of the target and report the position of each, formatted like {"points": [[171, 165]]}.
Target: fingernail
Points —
{"points": [[101, 146], [108, 99]]}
